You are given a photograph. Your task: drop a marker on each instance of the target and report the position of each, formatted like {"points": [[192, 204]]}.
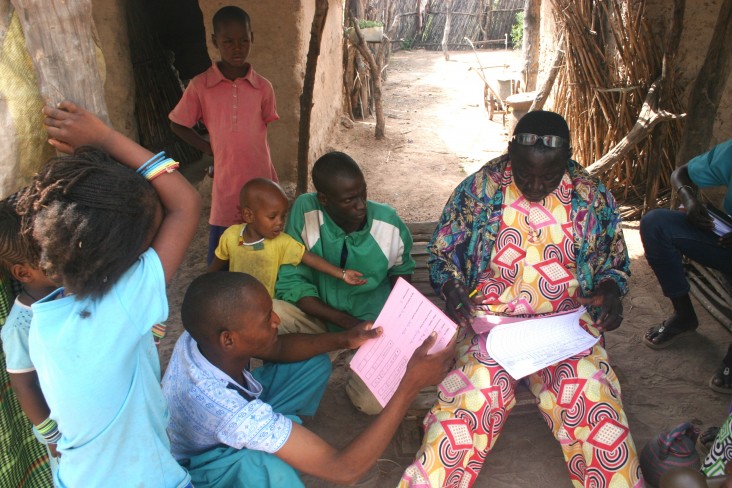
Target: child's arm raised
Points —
{"points": [[307, 452], [70, 126], [348, 275]]}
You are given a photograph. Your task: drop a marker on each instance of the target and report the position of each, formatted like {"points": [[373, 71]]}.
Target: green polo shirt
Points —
{"points": [[379, 250]]}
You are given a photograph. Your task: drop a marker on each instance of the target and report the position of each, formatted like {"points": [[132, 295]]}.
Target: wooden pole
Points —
{"points": [[546, 87], [60, 39], [375, 71], [421, 8], [531, 42], [306, 98], [708, 88], [481, 21], [446, 32]]}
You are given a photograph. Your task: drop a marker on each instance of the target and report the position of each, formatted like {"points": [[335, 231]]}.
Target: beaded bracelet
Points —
{"points": [[49, 430]]}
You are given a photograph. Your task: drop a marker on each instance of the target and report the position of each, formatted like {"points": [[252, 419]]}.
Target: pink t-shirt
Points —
{"points": [[236, 114]]}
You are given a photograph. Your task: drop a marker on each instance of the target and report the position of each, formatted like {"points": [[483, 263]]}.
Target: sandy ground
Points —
{"points": [[437, 133]]}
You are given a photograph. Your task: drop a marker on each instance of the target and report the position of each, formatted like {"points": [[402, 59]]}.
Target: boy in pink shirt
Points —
{"points": [[235, 104]]}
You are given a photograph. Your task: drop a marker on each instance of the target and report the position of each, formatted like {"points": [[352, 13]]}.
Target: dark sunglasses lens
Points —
{"points": [[526, 139], [552, 141]]}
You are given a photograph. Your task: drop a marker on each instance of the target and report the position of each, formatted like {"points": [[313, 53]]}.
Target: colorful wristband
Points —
{"points": [[156, 166], [158, 157], [165, 167], [158, 331], [49, 430]]}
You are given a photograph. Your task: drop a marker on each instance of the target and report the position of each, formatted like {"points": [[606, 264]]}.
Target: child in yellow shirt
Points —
{"points": [[259, 246]]}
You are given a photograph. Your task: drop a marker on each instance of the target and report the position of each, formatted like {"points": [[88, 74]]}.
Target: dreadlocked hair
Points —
{"points": [[15, 248], [90, 217]]}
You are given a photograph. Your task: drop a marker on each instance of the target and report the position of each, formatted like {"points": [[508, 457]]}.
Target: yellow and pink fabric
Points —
{"points": [[532, 270]]}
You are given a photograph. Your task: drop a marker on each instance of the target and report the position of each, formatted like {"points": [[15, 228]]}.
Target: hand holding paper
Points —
{"points": [[407, 319], [425, 369], [358, 335]]}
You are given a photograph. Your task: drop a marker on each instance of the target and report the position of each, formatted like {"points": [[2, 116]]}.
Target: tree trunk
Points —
{"points": [[306, 98], [362, 95], [543, 93], [375, 75], [531, 42], [349, 75], [668, 80], [421, 7], [390, 25], [707, 89], [60, 38], [446, 32], [481, 21], [356, 8]]}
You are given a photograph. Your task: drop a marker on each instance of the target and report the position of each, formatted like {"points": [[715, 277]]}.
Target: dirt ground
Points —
{"points": [[437, 133]]}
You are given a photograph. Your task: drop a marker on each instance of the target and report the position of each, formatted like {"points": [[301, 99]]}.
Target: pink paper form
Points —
{"points": [[407, 319]]}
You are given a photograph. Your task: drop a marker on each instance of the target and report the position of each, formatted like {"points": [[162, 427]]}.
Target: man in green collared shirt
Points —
{"points": [[338, 223]]}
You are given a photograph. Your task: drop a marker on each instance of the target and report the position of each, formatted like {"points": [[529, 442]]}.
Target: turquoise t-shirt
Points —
{"points": [[714, 168], [100, 373]]}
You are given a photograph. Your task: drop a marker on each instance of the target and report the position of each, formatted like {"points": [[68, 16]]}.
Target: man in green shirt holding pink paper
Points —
{"points": [[338, 223]]}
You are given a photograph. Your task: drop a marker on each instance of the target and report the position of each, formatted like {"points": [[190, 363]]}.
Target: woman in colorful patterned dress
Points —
{"points": [[531, 233]]}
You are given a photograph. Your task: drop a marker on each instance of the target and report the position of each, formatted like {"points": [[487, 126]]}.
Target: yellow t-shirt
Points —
{"points": [[261, 261]]}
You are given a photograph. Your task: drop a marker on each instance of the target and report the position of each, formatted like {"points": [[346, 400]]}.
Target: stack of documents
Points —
{"points": [[526, 346]]}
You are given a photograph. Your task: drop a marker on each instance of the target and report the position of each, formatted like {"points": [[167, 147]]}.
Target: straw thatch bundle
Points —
{"points": [[611, 61]]}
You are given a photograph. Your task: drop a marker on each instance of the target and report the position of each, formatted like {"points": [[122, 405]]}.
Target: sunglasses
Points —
{"points": [[531, 139]]}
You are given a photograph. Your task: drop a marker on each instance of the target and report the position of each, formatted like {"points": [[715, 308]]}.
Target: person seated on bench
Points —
{"points": [[669, 235], [234, 428], [528, 234], [339, 224]]}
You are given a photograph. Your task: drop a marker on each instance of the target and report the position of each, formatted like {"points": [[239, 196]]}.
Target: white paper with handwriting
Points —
{"points": [[527, 346]]}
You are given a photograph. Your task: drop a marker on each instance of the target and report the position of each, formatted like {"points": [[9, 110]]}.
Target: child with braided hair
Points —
{"points": [[18, 260], [103, 236]]}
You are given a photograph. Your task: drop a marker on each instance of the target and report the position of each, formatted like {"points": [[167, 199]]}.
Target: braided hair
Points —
{"points": [[90, 217], [14, 247]]}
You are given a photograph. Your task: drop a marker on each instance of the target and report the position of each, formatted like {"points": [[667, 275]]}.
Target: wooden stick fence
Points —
{"points": [[610, 63]]}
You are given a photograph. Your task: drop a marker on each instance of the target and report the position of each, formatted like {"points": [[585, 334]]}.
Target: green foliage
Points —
{"points": [[365, 24], [407, 44], [517, 31]]}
